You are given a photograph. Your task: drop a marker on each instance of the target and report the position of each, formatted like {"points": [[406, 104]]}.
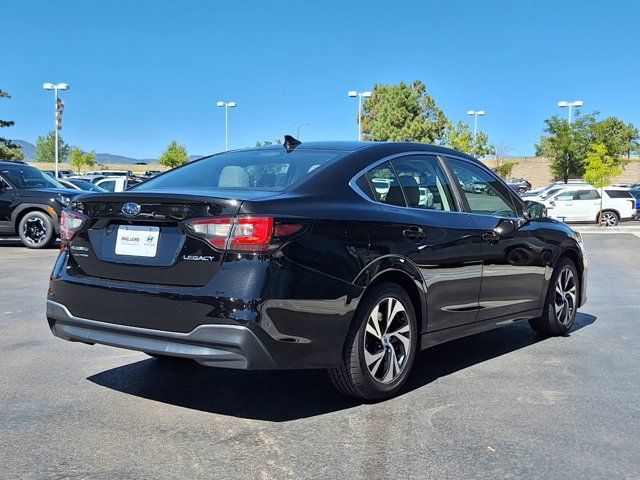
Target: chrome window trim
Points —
{"points": [[425, 153]]}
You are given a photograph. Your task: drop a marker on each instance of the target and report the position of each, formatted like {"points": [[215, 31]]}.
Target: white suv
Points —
{"points": [[581, 203]]}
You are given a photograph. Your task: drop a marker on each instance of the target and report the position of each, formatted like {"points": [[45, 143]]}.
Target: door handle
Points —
{"points": [[413, 233], [490, 236]]}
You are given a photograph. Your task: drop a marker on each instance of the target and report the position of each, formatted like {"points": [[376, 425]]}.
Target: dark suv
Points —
{"points": [[30, 204], [346, 256]]}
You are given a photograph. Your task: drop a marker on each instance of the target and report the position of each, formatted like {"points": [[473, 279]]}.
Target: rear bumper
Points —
{"points": [[230, 346]]}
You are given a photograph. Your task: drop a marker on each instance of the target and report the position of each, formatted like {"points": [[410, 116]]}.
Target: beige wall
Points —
{"points": [[536, 170]]}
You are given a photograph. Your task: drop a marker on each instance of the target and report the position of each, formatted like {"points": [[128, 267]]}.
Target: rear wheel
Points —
{"points": [[609, 219], [561, 304], [36, 230], [380, 346]]}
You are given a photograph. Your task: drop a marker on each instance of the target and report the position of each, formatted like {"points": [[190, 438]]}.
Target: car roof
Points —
{"points": [[352, 146]]}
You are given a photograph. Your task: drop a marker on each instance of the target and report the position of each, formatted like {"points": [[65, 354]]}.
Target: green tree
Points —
{"points": [[80, 159], [46, 148], [9, 151], [600, 169], [174, 156], [619, 138], [566, 144], [403, 113], [460, 137]]}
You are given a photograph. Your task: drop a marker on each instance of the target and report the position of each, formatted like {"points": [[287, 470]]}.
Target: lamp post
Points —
{"points": [[59, 107], [227, 106], [298, 127], [576, 103], [360, 95], [475, 114]]}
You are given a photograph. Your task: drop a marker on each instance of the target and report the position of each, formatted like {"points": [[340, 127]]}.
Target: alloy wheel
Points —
{"points": [[608, 219], [34, 230], [565, 296], [387, 340]]}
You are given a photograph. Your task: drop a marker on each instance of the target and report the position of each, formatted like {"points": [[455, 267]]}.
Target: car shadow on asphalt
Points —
{"points": [[286, 395]]}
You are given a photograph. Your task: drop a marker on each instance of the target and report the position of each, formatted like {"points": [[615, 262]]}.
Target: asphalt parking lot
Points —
{"points": [[504, 404]]}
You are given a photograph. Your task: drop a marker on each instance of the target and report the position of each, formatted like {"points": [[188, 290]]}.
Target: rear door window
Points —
{"points": [[423, 182], [385, 187], [587, 195]]}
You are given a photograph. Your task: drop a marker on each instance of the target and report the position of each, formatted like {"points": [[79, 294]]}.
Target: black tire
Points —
{"points": [[549, 324], [353, 377], [521, 191], [36, 230], [609, 218]]}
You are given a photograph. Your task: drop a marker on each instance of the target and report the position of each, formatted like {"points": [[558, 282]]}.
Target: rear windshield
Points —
{"points": [[271, 170], [29, 177], [619, 194]]}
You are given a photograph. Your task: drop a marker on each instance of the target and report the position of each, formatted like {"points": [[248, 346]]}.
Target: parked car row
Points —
{"points": [[31, 200]]}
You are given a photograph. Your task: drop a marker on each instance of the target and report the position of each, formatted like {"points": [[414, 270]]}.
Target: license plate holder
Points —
{"points": [[137, 241]]}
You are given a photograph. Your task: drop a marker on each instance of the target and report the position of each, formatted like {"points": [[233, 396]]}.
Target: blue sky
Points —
{"points": [[145, 72]]}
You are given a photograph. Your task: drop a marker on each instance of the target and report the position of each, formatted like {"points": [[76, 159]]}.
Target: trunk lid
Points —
{"points": [[172, 256]]}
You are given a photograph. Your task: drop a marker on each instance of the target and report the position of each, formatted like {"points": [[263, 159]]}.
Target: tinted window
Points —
{"points": [[108, 185], [384, 184], [423, 182], [247, 170], [84, 185], [618, 194], [483, 192], [24, 176], [586, 195], [566, 196]]}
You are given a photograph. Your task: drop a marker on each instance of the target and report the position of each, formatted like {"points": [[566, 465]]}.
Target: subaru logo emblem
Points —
{"points": [[131, 209]]}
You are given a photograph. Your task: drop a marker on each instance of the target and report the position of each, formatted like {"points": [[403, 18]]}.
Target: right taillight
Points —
{"points": [[70, 223], [244, 234]]}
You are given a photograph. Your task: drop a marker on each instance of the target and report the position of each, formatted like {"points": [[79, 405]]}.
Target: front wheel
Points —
{"points": [[609, 219], [36, 230], [561, 304], [380, 346]]}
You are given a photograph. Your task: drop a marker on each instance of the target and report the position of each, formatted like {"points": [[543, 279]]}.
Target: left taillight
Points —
{"points": [[70, 223]]}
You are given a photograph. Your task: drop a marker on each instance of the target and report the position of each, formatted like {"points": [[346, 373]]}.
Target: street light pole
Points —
{"points": [[226, 106], [576, 103], [475, 114], [58, 108], [360, 95]]}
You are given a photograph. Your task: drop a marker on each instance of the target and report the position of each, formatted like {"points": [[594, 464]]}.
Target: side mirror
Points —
{"points": [[505, 227], [534, 210]]}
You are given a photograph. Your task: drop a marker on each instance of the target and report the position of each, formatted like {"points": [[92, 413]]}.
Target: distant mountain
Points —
{"points": [[108, 158], [28, 149]]}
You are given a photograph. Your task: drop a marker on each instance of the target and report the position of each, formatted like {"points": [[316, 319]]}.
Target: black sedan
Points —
{"points": [[345, 256]]}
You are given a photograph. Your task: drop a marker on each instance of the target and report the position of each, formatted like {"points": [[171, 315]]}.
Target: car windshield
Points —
{"points": [[262, 169], [24, 176], [548, 193], [88, 186]]}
